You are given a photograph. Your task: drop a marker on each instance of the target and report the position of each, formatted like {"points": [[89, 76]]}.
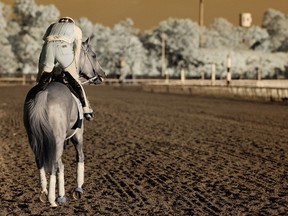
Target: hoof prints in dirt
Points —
{"points": [[157, 154]]}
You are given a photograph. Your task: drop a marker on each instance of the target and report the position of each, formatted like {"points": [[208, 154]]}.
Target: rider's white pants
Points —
{"points": [[61, 52]]}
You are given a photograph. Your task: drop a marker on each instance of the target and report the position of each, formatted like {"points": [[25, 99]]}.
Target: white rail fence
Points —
{"points": [[17, 80], [272, 90], [276, 83]]}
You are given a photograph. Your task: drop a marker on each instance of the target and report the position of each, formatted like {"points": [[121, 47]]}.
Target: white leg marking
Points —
{"points": [[43, 181], [80, 174], [52, 186], [61, 184]]}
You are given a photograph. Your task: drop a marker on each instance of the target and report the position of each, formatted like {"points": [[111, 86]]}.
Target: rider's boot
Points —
{"points": [[88, 112]]}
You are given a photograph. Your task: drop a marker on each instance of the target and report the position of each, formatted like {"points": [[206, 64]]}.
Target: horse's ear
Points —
{"points": [[87, 40]]}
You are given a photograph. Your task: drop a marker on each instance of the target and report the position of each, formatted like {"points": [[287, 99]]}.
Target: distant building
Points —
{"points": [[245, 19]]}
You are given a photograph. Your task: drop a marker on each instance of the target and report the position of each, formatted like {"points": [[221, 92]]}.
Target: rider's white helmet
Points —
{"points": [[66, 20]]}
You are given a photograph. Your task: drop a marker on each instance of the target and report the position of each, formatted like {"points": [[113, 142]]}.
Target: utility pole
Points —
{"points": [[164, 38], [201, 21], [228, 68]]}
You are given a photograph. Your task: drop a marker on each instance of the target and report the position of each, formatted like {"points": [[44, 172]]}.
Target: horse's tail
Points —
{"points": [[41, 137]]}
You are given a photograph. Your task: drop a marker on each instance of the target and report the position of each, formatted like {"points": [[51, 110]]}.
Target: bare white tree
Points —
{"points": [[119, 42], [181, 44], [222, 34], [33, 21], [8, 63], [276, 24], [86, 26], [255, 47]]}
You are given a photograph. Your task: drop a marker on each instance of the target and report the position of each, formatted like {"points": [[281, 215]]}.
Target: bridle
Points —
{"points": [[81, 73]]}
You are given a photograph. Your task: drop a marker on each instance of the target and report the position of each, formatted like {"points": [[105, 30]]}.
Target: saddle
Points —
{"points": [[65, 78], [58, 75]]}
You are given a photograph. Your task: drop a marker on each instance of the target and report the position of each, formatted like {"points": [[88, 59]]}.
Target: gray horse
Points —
{"points": [[53, 115]]}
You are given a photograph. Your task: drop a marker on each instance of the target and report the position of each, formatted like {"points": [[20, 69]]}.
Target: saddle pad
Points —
{"points": [[78, 123]]}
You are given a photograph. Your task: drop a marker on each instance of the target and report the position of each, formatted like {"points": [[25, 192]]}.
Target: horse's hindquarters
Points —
{"points": [[49, 115]]}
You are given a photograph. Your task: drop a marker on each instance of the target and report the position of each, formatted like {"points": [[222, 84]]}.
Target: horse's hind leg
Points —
{"points": [[58, 166], [43, 183], [52, 189], [43, 180], [61, 188]]}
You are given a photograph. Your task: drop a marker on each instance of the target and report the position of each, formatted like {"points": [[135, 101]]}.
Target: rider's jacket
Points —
{"points": [[61, 31], [68, 32]]}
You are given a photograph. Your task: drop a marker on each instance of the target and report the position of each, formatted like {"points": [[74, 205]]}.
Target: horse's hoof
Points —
{"points": [[61, 200], [43, 197], [77, 193], [53, 205]]}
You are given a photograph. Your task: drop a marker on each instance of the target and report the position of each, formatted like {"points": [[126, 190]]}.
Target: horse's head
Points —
{"points": [[89, 67]]}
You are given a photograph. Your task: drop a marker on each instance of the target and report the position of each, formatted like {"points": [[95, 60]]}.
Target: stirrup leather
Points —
{"points": [[77, 90]]}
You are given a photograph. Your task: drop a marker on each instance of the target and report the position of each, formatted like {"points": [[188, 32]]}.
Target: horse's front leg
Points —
{"points": [[78, 143], [80, 180], [80, 174]]}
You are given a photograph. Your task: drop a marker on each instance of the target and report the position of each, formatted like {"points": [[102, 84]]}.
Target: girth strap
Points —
{"points": [[79, 121]]}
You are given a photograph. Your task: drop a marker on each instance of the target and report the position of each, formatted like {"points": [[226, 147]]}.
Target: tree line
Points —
{"points": [[263, 48]]}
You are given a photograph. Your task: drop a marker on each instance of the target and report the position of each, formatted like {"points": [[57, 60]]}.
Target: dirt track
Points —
{"points": [[156, 154]]}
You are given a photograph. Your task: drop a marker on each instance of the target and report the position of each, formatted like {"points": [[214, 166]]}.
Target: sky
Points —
{"points": [[147, 14]]}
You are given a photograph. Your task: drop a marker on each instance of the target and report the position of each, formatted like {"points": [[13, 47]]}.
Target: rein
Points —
{"points": [[89, 79]]}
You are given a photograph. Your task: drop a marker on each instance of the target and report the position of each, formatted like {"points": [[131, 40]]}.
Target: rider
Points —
{"points": [[62, 45]]}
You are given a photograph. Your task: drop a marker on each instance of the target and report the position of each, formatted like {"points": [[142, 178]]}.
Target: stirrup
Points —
{"points": [[89, 116]]}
